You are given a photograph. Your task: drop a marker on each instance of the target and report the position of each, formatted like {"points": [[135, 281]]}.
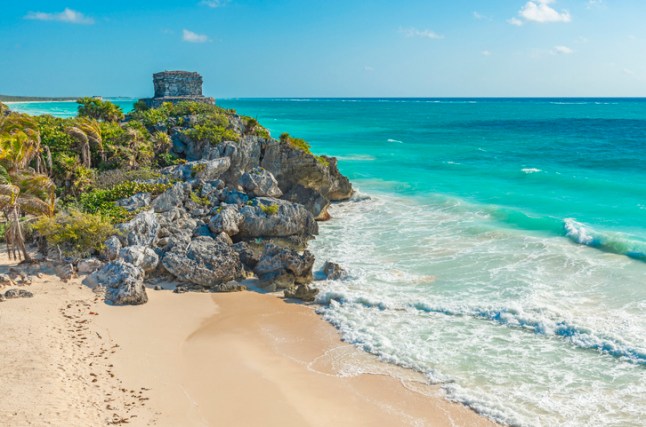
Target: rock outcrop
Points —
{"points": [[123, 282], [282, 268], [235, 208], [206, 261]]}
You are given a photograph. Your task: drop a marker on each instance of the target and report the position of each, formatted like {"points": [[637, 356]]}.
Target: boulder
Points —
{"points": [[313, 201], [206, 262], [226, 220], [123, 281], [65, 272], [276, 218], [140, 256], [302, 292], [17, 293], [172, 198], [135, 202], [112, 246], [244, 155], [247, 255], [230, 286], [141, 230], [280, 267], [291, 166], [205, 170], [333, 271], [5, 280], [259, 182], [89, 266]]}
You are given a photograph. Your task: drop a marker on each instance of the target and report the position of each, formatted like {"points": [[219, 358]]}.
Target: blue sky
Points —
{"points": [[346, 48]]}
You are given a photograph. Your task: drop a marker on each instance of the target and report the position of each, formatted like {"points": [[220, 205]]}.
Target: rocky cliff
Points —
{"points": [[243, 207]]}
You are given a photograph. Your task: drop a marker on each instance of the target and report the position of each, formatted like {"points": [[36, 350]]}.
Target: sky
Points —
{"points": [[326, 48]]}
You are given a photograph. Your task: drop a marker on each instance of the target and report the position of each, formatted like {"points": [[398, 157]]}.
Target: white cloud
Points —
{"points": [[191, 37], [541, 12], [486, 53], [427, 34], [593, 4], [562, 50], [68, 16], [515, 21], [214, 4]]}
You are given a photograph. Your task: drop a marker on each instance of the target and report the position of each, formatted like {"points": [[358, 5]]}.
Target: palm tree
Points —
{"points": [[22, 189], [87, 132]]}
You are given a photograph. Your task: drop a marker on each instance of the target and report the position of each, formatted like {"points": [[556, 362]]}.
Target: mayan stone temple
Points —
{"points": [[177, 86]]}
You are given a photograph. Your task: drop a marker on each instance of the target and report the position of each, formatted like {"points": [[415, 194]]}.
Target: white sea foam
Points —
{"points": [[395, 140], [577, 232], [495, 316], [530, 170], [357, 157]]}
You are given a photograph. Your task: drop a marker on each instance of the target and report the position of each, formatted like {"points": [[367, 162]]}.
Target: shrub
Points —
{"points": [[101, 201], [111, 178], [77, 233], [96, 108], [202, 201], [269, 209], [211, 133], [297, 143]]}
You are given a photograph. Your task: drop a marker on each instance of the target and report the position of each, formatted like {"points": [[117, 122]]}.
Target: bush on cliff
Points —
{"points": [[78, 233], [102, 201], [96, 108]]}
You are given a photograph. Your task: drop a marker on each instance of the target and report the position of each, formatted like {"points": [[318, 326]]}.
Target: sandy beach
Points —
{"points": [[196, 360]]}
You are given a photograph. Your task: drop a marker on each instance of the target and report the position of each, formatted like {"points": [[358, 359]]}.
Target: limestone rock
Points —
{"points": [[276, 218], [112, 248], [206, 261], [172, 198], [135, 202], [123, 281], [140, 256], [88, 266], [292, 166], [230, 286], [65, 272], [283, 267], [205, 170], [314, 201], [244, 155], [259, 182], [17, 293], [141, 230], [302, 292], [226, 220], [247, 255], [333, 271]]}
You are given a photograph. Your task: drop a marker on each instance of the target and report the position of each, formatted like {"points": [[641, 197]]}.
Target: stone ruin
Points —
{"points": [[177, 86]]}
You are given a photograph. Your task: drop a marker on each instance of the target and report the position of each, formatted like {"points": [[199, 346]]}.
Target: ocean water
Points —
{"points": [[496, 245]]}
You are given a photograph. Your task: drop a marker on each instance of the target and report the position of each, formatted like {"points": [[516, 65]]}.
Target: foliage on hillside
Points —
{"points": [[90, 161]]}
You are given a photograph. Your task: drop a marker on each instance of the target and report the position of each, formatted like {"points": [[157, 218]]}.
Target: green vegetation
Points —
{"points": [[97, 109], [83, 165], [298, 143], [78, 233], [23, 189], [252, 127], [202, 201], [269, 209], [102, 201]]}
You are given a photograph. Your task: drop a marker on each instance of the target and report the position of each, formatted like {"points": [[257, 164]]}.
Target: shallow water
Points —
{"points": [[497, 246]]}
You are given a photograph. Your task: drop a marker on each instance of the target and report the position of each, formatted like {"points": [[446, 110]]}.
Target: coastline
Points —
{"points": [[197, 359]]}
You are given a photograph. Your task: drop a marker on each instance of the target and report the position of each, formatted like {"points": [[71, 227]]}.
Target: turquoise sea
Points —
{"points": [[496, 245]]}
